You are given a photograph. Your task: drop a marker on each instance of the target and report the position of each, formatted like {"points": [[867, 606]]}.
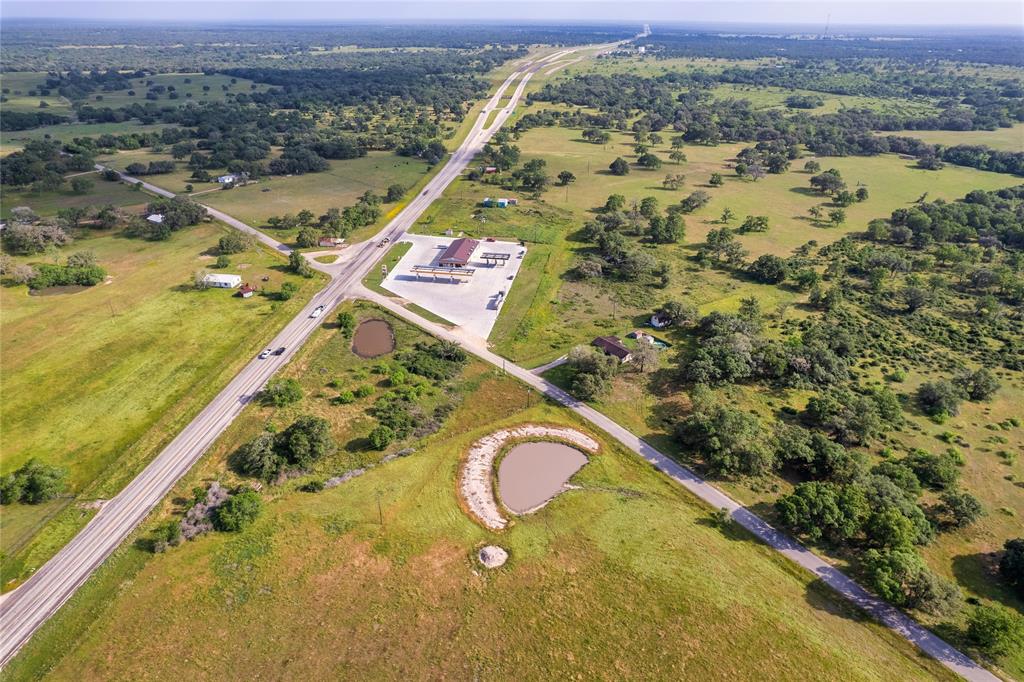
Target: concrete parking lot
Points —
{"points": [[473, 302]]}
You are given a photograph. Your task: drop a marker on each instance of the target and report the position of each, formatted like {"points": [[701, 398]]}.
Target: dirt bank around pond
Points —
{"points": [[476, 485]]}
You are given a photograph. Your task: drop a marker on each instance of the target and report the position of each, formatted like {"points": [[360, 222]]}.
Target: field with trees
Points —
{"points": [[139, 353], [405, 548]]}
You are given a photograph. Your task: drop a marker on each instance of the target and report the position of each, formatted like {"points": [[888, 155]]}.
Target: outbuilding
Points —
{"points": [[219, 281], [612, 345], [247, 291], [156, 218], [330, 242], [227, 179], [458, 253]]}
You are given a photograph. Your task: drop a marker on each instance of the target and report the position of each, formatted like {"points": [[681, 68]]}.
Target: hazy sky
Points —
{"points": [[841, 12]]}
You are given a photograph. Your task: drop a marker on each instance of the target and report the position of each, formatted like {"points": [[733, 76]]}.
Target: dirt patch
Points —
{"points": [[373, 338]]}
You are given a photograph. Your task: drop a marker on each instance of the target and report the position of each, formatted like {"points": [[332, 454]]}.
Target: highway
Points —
{"points": [[29, 606], [25, 609]]}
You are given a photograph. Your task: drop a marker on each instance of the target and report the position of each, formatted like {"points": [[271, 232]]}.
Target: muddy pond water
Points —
{"points": [[533, 473], [373, 338]]}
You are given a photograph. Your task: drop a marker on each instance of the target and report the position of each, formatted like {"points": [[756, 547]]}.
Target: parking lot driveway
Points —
{"points": [[473, 302]]}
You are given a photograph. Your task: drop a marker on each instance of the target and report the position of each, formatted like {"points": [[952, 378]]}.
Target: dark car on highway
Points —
{"points": [[279, 351]]}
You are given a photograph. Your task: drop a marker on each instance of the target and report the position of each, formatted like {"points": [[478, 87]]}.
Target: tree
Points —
{"points": [[298, 264], [619, 167], [281, 392], [80, 185], [305, 441], [957, 509], [812, 166], [994, 629], [346, 323], [238, 512], [727, 216], [769, 269], [649, 207], [222, 261], [938, 472], [828, 182], [394, 193], [755, 223], [677, 156], [667, 230], [1011, 565], [694, 201], [615, 202], [32, 483], [645, 357], [728, 440], [861, 194], [235, 242], [915, 298], [981, 384], [939, 398], [24, 238], [889, 528], [837, 216], [716, 180], [679, 313], [824, 511], [307, 237], [566, 177], [673, 181], [258, 458], [901, 577]]}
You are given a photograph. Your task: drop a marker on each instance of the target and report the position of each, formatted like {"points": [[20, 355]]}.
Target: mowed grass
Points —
{"points": [[767, 97], [624, 577], [1005, 139], [132, 361]]}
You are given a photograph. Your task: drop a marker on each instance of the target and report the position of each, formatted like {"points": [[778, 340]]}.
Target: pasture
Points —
{"points": [[583, 592]]}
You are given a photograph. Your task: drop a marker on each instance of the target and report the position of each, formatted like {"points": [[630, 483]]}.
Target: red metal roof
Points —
{"points": [[459, 251], [612, 346]]}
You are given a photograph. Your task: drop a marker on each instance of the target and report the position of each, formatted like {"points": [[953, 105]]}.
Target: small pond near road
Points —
{"points": [[531, 474], [373, 338]]}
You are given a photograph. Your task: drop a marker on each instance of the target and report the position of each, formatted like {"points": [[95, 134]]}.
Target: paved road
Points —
{"points": [[31, 604], [883, 612], [28, 607]]}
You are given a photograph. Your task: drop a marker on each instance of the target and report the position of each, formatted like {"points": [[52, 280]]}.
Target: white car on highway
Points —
{"points": [[317, 312]]}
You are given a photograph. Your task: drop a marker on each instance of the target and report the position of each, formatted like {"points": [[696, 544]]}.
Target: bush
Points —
{"points": [[346, 323], [238, 512], [769, 269], [980, 384], [381, 437], [937, 472], [995, 629], [235, 242], [281, 392]]}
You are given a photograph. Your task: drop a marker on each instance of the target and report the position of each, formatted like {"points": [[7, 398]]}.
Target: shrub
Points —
{"points": [[381, 437], [939, 398], [32, 483], [281, 392], [994, 629], [901, 577], [238, 512]]}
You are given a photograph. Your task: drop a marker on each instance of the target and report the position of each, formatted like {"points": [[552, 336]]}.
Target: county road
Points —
{"points": [[28, 607], [25, 609]]}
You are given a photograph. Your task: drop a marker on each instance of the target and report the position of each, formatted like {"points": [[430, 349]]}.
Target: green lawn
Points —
{"points": [[626, 576], [133, 360]]}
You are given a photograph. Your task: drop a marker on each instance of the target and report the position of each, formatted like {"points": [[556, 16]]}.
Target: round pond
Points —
{"points": [[533, 473], [373, 338]]}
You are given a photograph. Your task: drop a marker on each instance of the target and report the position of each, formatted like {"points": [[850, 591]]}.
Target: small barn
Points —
{"points": [[613, 346], [247, 291], [219, 281], [458, 253]]}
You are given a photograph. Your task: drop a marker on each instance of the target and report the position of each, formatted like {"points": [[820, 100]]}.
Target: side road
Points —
{"points": [[888, 615]]}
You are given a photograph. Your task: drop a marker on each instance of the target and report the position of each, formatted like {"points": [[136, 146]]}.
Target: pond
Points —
{"points": [[531, 474], [373, 338]]}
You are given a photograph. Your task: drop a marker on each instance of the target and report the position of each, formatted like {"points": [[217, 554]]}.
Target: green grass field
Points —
{"points": [[21, 83], [338, 187], [1006, 139], [135, 357], [48, 203], [763, 97], [14, 140], [187, 92], [626, 576]]}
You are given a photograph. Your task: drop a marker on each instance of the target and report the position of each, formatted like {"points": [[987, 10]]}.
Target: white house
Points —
{"points": [[229, 178], [156, 218], [220, 281]]}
